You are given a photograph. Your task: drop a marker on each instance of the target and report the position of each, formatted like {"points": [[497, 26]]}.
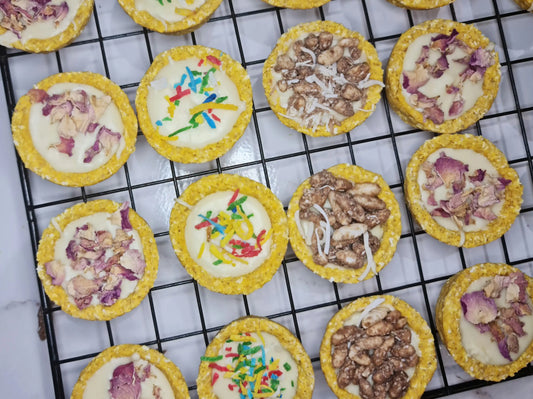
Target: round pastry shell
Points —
{"points": [[246, 283], [448, 313], [298, 4], [57, 294], [426, 364], [33, 160], [306, 377], [283, 45], [199, 16], [63, 38], [391, 230], [525, 4], [233, 70], [420, 4], [393, 79], [512, 198], [169, 369]]}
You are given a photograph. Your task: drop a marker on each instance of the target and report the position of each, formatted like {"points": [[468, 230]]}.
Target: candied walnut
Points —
{"points": [[297, 102], [320, 259], [325, 39], [313, 196], [399, 385], [375, 315], [376, 218], [311, 41], [345, 334], [359, 356], [321, 179], [339, 355], [349, 259], [403, 351], [403, 335], [400, 323], [411, 361], [368, 189], [331, 56], [283, 86], [349, 232], [365, 389], [357, 73], [369, 342], [306, 88], [355, 52], [344, 64], [343, 107], [380, 328], [284, 62], [297, 47], [393, 316], [351, 92], [370, 203], [349, 42], [383, 373], [345, 376]]}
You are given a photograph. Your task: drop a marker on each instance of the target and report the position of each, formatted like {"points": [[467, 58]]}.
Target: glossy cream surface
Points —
{"points": [[44, 134]]}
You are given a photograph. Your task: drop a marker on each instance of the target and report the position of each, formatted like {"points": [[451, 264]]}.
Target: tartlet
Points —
{"points": [[288, 366], [431, 68], [322, 79], [525, 4], [298, 4], [469, 304], [376, 211], [488, 194], [420, 4], [127, 368], [74, 128], [59, 24], [180, 84], [229, 232], [97, 260], [379, 329], [187, 16]]}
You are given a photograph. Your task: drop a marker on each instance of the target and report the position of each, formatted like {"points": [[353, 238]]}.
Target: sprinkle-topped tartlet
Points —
{"points": [[484, 317], [130, 371], [229, 232], [322, 79], [344, 223], [298, 4], [74, 128], [378, 347], [461, 190], [420, 4], [170, 16], [194, 103], [254, 357], [442, 76], [97, 260], [41, 26]]}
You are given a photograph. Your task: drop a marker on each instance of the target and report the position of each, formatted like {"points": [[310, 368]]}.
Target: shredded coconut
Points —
{"points": [[181, 202], [374, 304], [327, 233]]}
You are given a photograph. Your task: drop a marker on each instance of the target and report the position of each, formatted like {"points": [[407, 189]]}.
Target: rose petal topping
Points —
{"points": [[124, 383], [56, 270], [450, 170], [133, 260], [477, 308], [80, 286]]}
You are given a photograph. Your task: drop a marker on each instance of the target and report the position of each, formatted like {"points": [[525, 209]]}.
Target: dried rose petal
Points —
{"points": [[124, 216], [133, 260], [412, 80], [56, 270], [485, 213], [482, 58], [83, 302], [519, 279], [108, 298], [456, 108], [37, 95], [124, 384], [437, 70], [503, 183], [444, 42], [424, 55], [450, 169], [434, 114], [478, 176], [477, 308], [80, 286], [440, 212], [65, 145]]}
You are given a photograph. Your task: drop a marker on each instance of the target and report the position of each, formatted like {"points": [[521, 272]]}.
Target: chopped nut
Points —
{"points": [[339, 355], [380, 328], [283, 86], [368, 189], [370, 203], [325, 39], [349, 42], [345, 334], [343, 107], [297, 102], [349, 259], [374, 316], [331, 56], [284, 62], [344, 64], [359, 356], [311, 41], [357, 73], [351, 92]]}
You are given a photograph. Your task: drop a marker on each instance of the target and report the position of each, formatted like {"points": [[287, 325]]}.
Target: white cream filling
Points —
{"points": [[42, 29], [99, 221], [163, 86], [328, 91], [474, 161], [273, 349], [196, 238], [100, 382], [45, 134], [355, 320], [169, 10], [437, 87], [483, 347]]}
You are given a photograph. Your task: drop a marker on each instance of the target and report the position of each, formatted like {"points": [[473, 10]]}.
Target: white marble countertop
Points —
{"points": [[23, 356]]}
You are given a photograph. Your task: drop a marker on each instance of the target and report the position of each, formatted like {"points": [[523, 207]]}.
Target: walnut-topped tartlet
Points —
{"points": [[442, 76], [462, 191], [322, 79], [344, 223], [378, 347]]}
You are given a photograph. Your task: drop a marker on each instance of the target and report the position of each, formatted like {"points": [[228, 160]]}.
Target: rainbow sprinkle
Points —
{"points": [[194, 82], [230, 235], [251, 374]]}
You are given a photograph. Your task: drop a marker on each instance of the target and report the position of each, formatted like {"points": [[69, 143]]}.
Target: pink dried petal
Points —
{"points": [[88, 245], [521, 309], [437, 70], [84, 302], [104, 239], [56, 270], [72, 250], [121, 271], [80, 286], [482, 58], [515, 324], [450, 169], [37, 95], [60, 111], [503, 183], [420, 100], [67, 127], [484, 213], [440, 212], [434, 114], [92, 152], [450, 89], [413, 80], [477, 308], [519, 279], [100, 264], [81, 120], [109, 297], [133, 260], [424, 55], [125, 216], [487, 196], [456, 108], [431, 200], [108, 139], [80, 264], [99, 105], [124, 384], [478, 176], [64, 146], [496, 285], [445, 43]]}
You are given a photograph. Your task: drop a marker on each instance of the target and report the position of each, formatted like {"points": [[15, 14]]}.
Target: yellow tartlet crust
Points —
{"points": [[33, 160], [512, 198], [525, 4], [233, 70], [448, 313], [393, 79], [428, 359], [246, 283], [62, 39], [306, 377], [298, 4], [188, 24], [57, 294], [420, 4], [391, 230], [169, 369], [283, 45]]}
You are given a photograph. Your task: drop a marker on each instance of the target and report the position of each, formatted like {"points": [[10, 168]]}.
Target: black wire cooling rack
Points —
{"points": [[302, 301]]}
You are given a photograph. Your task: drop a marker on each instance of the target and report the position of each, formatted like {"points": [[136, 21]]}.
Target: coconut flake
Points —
{"points": [[374, 304], [311, 53], [181, 202], [327, 233], [370, 264], [54, 223], [367, 82]]}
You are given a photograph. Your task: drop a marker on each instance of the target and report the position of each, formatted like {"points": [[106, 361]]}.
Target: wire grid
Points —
{"points": [[179, 317]]}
